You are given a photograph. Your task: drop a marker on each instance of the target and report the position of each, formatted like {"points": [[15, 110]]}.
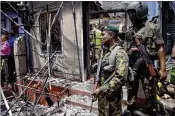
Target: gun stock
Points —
{"points": [[151, 70]]}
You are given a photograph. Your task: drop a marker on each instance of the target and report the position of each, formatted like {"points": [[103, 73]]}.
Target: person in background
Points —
{"points": [[5, 52], [12, 37], [149, 36], [5, 46]]}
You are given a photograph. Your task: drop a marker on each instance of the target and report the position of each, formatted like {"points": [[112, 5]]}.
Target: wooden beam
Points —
{"points": [[107, 11]]}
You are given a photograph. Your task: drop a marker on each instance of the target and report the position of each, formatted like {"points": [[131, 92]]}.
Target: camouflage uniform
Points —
{"points": [[150, 35], [151, 38], [109, 100], [148, 31]]}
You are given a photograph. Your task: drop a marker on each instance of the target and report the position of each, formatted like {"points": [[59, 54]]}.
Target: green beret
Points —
{"points": [[110, 28]]}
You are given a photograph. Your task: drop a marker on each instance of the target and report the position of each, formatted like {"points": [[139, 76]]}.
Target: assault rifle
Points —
{"points": [[145, 56], [97, 78], [154, 75]]}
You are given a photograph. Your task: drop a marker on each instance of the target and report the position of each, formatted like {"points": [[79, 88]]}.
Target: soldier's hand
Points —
{"points": [[163, 74], [96, 92]]}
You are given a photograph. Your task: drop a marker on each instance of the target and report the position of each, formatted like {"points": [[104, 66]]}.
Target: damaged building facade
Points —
{"points": [[55, 67], [63, 38]]}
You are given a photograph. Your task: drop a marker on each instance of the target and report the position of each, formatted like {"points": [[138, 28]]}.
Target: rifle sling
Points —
{"points": [[111, 76]]}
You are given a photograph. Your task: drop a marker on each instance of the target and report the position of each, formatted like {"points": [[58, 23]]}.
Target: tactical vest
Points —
{"points": [[113, 54], [109, 61]]}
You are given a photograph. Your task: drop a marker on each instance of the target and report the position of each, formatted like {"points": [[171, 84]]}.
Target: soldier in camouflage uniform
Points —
{"points": [[149, 36], [109, 94]]}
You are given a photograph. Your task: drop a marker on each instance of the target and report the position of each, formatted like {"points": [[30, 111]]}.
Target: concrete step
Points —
{"points": [[82, 101], [78, 96], [81, 96], [71, 110], [81, 88], [79, 93]]}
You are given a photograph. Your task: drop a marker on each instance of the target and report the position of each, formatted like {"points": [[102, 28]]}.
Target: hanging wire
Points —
{"points": [[12, 7], [35, 89], [20, 26], [35, 33], [44, 84], [31, 28], [44, 5], [28, 85], [56, 15], [39, 36], [25, 77], [40, 46]]}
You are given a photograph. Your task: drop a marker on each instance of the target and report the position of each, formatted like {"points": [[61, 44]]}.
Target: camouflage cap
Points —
{"points": [[110, 28]]}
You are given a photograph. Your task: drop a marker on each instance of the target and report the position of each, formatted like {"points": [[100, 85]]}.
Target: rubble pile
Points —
{"points": [[82, 100], [80, 111], [61, 108], [168, 104], [71, 110], [23, 108], [54, 81], [85, 86]]}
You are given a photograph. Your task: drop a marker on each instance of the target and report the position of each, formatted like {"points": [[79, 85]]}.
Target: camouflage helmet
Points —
{"points": [[141, 9]]}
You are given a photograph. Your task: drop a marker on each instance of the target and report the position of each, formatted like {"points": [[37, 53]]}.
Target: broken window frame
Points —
{"points": [[60, 51]]}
